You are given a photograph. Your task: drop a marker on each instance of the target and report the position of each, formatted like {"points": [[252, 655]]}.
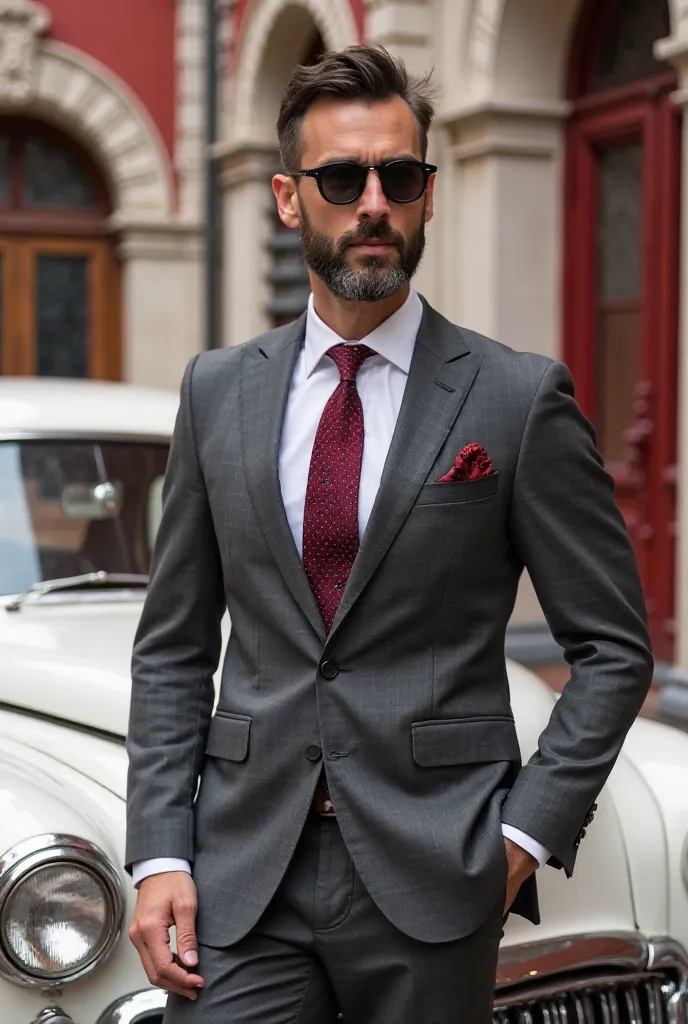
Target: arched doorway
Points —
{"points": [[621, 273], [59, 279]]}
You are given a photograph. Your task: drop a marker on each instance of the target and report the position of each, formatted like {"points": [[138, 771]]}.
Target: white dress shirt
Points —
{"points": [[381, 382]]}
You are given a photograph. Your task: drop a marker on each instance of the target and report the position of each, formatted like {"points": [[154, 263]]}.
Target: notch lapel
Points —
{"points": [[440, 377], [266, 376]]}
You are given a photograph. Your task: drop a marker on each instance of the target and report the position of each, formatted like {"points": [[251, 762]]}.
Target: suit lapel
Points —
{"points": [[266, 376], [441, 375]]}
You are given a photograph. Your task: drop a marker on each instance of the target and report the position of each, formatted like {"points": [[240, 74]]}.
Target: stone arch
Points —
{"points": [[78, 94], [519, 48], [271, 43]]}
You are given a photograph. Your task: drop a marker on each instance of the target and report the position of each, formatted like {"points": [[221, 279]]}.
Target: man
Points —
{"points": [[362, 490]]}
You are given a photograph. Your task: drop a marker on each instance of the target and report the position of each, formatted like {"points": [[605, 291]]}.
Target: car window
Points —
{"points": [[72, 507]]}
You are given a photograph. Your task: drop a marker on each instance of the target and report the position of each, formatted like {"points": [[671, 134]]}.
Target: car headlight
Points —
{"points": [[61, 910]]}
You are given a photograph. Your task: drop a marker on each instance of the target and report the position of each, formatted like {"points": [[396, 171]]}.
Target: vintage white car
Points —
{"points": [[81, 468]]}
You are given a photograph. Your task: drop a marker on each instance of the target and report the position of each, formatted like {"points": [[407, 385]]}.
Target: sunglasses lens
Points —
{"points": [[342, 183], [403, 182]]}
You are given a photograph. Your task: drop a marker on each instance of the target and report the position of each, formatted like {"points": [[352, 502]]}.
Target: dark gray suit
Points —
{"points": [[408, 696]]}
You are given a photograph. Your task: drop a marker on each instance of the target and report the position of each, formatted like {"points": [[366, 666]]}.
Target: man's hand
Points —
{"points": [[521, 866], [165, 900]]}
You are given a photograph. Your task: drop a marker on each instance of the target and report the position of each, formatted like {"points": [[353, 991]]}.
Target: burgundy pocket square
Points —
{"points": [[471, 463]]}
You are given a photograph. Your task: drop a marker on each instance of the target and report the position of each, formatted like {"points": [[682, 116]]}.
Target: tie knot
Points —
{"points": [[349, 359]]}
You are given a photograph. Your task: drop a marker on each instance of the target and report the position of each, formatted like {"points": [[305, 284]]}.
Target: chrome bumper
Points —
{"points": [[135, 1008]]}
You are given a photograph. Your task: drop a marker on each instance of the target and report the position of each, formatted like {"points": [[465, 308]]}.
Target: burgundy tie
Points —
{"points": [[330, 518]]}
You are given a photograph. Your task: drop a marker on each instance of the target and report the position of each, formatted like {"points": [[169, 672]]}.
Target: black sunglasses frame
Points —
{"points": [[365, 169]]}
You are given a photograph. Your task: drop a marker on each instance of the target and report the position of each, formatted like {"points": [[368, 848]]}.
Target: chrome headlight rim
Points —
{"points": [[49, 850]]}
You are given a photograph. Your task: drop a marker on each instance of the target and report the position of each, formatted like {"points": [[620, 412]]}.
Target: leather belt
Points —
{"points": [[322, 803]]}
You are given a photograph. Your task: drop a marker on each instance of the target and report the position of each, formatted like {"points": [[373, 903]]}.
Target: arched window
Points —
{"points": [[59, 282], [621, 271]]}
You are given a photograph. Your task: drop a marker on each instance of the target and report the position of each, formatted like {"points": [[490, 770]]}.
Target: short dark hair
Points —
{"points": [[366, 73]]}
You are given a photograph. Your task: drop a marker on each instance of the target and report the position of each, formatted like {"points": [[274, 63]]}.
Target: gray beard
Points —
{"points": [[363, 286], [376, 280]]}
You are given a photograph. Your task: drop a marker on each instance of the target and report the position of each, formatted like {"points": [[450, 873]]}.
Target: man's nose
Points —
{"points": [[373, 203]]}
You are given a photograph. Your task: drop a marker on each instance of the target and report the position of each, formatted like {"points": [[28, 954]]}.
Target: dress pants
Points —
{"points": [[323, 948]]}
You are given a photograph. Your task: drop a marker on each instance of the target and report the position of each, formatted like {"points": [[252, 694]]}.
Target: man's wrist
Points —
{"points": [[157, 866], [536, 850]]}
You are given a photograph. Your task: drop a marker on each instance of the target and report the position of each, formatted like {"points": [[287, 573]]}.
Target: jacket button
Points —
{"points": [[313, 753], [329, 669]]}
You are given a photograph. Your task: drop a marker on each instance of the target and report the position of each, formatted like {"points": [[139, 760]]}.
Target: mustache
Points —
{"points": [[368, 231]]}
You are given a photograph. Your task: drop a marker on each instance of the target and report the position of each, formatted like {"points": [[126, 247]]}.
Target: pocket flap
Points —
{"points": [[228, 736], [459, 490], [464, 741]]}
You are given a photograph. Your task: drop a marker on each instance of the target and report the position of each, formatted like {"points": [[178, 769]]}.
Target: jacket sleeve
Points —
{"points": [[176, 653], [567, 530]]}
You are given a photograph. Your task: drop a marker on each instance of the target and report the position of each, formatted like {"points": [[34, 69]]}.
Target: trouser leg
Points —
{"points": [[258, 981], [381, 976], [274, 975]]}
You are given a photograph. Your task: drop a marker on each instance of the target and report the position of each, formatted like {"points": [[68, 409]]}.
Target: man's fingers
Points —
{"points": [[152, 976], [152, 942], [164, 973], [184, 910], [169, 975]]}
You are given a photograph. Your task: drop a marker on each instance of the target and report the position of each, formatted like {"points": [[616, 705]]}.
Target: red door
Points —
{"points": [[621, 302]]}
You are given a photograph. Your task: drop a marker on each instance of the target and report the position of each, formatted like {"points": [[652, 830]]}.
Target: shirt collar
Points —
{"points": [[394, 339]]}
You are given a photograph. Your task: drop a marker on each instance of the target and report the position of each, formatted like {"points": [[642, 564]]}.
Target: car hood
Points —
{"points": [[70, 660]]}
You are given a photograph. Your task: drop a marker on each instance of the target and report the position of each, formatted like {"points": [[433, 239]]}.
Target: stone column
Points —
{"points": [[246, 169], [502, 232], [162, 276]]}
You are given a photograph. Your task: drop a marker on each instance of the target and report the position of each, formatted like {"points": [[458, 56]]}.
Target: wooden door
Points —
{"points": [[56, 308], [621, 287]]}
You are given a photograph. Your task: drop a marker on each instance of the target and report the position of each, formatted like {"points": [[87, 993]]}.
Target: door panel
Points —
{"points": [[59, 310], [621, 304], [63, 315]]}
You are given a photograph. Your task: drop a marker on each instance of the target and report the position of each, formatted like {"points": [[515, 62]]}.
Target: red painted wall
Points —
{"points": [[135, 39]]}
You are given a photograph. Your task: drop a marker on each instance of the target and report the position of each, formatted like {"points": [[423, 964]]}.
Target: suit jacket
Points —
{"points": [[407, 698]]}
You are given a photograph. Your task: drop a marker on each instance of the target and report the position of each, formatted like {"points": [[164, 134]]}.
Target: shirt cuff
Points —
{"points": [[157, 866], [527, 843]]}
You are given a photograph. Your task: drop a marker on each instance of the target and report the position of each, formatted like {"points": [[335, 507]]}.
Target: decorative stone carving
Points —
{"points": [[22, 22]]}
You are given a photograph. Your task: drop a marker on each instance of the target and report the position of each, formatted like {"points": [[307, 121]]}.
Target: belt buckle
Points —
{"points": [[326, 810], [322, 803]]}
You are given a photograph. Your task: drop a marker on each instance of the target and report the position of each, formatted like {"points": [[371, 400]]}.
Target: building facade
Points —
{"points": [[101, 171], [560, 195]]}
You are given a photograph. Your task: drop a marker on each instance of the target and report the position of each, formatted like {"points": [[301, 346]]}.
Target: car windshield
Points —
{"points": [[73, 507]]}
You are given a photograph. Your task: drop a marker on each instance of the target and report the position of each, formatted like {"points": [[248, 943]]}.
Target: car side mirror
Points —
{"points": [[92, 501]]}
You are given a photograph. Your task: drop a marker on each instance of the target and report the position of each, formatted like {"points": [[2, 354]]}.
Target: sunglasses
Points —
{"points": [[402, 181]]}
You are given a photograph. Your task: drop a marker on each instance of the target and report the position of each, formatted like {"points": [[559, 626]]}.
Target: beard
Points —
{"points": [[378, 277]]}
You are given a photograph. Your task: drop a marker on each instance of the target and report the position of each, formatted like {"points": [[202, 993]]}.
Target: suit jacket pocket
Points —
{"points": [[464, 741], [228, 736], [462, 490]]}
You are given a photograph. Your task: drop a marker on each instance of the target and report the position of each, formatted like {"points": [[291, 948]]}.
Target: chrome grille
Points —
{"points": [[649, 998]]}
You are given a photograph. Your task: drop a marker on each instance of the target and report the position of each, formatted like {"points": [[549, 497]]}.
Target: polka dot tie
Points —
{"points": [[330, 521]]}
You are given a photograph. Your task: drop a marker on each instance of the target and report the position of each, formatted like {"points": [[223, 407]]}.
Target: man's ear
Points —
{"points": [[284, 188], [430, 198]]}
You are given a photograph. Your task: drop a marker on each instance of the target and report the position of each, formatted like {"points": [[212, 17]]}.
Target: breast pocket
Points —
{"points": [[459, 492]]}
